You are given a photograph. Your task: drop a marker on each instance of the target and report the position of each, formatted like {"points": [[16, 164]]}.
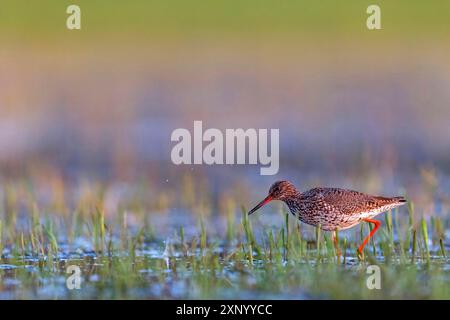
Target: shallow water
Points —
{"points": [[164, 270]]}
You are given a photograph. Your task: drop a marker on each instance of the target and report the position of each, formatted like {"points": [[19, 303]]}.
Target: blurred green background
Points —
{"points": [[45, 19], [349, 102]]}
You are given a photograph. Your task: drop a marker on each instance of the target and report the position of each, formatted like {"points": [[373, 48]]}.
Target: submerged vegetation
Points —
{"points": [[128, 243]]}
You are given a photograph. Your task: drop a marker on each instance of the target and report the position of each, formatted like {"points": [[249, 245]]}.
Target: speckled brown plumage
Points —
{"points": [[330, 208]]}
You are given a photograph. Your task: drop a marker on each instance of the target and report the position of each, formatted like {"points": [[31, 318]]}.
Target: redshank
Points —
{"points": [[331, 209]]}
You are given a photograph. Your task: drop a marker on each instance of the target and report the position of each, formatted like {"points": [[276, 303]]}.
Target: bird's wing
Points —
{"points": [[349, 202]]}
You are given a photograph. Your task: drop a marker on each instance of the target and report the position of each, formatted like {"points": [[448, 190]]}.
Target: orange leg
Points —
{"points": [[377, 224]]}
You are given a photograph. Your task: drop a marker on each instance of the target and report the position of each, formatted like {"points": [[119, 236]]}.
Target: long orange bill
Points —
{"points": [[262, 203]]}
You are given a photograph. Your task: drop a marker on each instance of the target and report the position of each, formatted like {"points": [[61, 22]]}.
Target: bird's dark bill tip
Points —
{"points": [[259, 205]]}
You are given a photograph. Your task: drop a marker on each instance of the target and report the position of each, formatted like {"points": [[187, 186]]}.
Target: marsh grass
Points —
{"points": [[243, 258]]}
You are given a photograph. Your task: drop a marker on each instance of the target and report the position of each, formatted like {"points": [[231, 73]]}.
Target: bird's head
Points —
{"points": [[280, 190]]}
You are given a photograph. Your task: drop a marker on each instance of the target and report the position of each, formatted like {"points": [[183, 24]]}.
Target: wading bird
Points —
{"points": [[331, 209]]}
